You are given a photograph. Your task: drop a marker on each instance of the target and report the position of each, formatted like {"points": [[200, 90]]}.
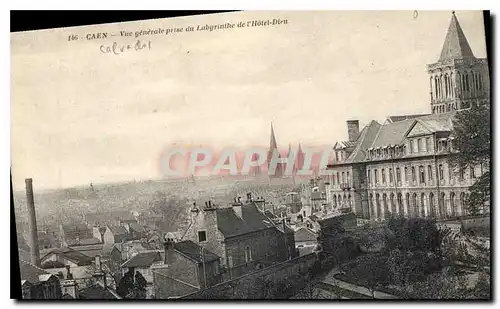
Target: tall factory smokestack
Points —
{"points": [[33, 233]]}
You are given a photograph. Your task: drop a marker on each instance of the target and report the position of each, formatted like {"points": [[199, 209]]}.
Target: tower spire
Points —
{"points": [[273, 146], [455, 44]]}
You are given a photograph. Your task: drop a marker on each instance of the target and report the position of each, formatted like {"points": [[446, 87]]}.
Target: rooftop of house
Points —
{"points": [[70, 255], [194, 252], [251, 220], [305, 234], [143, 259], [32, 273], [118, 230], [97, 292], [76, 228], [108, 217]]}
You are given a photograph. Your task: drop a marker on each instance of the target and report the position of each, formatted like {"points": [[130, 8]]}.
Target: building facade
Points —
{"points": [[404, 166]]}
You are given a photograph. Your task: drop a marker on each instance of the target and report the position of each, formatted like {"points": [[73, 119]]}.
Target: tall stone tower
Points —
{"points": [[458, 80]]}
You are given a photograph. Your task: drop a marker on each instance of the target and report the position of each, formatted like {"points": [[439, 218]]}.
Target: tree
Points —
{"points": [[128, 288], [369, 270], [472, 129]]}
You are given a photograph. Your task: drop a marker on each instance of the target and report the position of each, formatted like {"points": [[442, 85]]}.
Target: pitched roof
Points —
{"points": [[143, 259], [193, 251], [404, 117], [392, 133], [455, 44], [231, 225], [363, 142], [71, 255], [305, 234], [118, 230], [30, 272], [96, 292]]}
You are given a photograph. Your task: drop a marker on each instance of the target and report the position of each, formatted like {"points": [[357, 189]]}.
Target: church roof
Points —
{"points": [[455, 44]]}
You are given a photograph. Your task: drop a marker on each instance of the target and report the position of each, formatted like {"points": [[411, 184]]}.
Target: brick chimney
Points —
{"points": [[99, 275], [33, 232], [352, 129], [168, 246]]}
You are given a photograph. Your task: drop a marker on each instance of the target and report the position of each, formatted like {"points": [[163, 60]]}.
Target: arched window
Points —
{"points": [[386, 207], [462, 203], [400, 204], [371, 206], [414, 205], [452, 204], [446, 85], [379, 210], [422, 205], [432, 210], [442, 209], [421, 174], [408, 207], [393, 205]]}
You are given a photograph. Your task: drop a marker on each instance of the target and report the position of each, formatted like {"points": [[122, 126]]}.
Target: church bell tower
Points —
{"points": [[458, 80]]}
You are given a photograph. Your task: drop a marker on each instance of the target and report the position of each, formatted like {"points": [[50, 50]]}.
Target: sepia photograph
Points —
{"points": [[256, 155]]}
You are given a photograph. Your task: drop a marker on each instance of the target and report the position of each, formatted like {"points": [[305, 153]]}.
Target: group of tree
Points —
{"points": [[418, 260], [472, 141], [132, 285]]}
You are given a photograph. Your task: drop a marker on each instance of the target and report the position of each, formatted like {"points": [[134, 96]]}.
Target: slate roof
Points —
{"points": [[404, 117], [375, 135], [96, 292], [71, 255], [30, 272], [143, 259], [455, 44], [193, 251], [305, 234], [231, 225], [391, 133]]}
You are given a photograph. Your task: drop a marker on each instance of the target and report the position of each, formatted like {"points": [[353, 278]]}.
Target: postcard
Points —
{"points": [[254, 155]]}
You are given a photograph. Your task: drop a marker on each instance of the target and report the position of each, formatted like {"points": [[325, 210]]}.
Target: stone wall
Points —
{"points": [[277, 281]]}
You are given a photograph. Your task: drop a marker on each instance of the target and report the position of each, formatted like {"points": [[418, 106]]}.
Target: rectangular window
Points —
{"points": [[398, 174], [461, 173], [413, 174], [429, 172], [415, 146], [407, 178], [428, 144], [391, 176], [383, 176], [202, 236], [441, 172], [348, 178], [230, 261], [248, 254], [376, 176], [423, 145], [369, 177], [410, 149], [422, 174]]}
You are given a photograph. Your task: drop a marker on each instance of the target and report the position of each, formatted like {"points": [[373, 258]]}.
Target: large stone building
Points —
{"points": [[403, 165], [243, 236]]}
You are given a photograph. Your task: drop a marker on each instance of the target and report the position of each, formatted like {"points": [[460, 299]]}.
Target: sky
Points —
{"points": [[81, 116]]}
